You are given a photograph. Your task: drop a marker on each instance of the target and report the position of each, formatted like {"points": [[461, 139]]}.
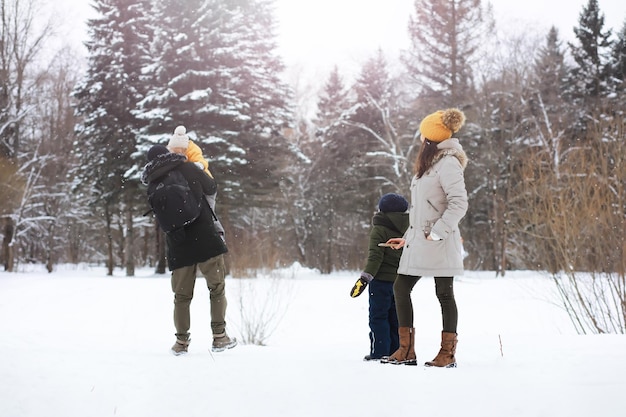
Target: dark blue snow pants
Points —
{"points": [[383, 319]]}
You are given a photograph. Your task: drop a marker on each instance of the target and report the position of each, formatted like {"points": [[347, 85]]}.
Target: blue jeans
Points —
{"points": [[383, 319]]}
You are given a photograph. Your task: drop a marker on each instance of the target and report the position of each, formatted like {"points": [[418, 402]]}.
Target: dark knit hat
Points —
{"points": [[393, 203], [155, 151]]}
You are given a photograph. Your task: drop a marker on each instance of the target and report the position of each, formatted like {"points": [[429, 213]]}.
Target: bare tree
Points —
{"points": [[575, 224], [262, 305], [495, 139], [21, 42]]}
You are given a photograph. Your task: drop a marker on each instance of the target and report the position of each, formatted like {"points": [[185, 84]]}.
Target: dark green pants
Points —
{"points": [[444, 288], [183, 282]]}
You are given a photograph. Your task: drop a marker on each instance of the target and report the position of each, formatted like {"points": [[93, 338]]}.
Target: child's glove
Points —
{"points": [[361, 284]]}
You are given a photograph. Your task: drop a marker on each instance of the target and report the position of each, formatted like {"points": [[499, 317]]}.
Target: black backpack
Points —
{"points": [[173, 203]]}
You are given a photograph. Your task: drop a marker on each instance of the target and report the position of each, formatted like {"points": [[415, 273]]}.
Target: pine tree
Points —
{"points": [[445, 37], [305, 184], [619, 55], [257, 69], [333, 100], [322, 187], [547, 105], [550, 68], [106, 145], [267, 107], [361, 156], [373, 89], [187, 69], [215, 72], [589, 78], [381, 130], [618, 63]]}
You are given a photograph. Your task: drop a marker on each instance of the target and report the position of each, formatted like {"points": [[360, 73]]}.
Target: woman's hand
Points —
{"points": [[396, 242]]}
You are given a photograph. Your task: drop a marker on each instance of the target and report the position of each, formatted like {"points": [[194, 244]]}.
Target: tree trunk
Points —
{"points": [[7, 245], [129, 243], [49, 249], [109, 242], [328, 264], [121, 245]]}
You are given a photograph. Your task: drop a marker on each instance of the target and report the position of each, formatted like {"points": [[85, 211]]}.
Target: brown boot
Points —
{"points": [[221, 342], [445, 358], [405, 355], [182, 345]]}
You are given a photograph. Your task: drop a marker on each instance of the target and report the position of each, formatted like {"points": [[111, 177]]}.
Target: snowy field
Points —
{"points": [[77, 343]]}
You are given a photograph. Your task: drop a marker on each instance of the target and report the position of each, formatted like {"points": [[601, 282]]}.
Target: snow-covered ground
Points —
{"points": [[77, 343]]}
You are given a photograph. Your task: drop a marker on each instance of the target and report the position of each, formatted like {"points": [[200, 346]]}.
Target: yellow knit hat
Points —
{"points": [[442, 124]]}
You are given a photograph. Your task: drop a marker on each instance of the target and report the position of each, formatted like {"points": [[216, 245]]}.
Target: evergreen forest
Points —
{"points": [[545, 136]]}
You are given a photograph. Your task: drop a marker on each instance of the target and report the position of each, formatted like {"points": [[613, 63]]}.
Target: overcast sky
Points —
{"points": [[348, 31], [317, 34]]}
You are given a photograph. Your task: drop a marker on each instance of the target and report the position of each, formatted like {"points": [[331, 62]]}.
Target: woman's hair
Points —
{"points": [[425, 156]]}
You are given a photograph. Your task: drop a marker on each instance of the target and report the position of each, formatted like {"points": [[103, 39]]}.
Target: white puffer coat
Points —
{"points": [[438, 203]]}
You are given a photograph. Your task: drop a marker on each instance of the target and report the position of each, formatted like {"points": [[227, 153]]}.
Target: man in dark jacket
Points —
{"points": [[196, 247], [380, 272]]}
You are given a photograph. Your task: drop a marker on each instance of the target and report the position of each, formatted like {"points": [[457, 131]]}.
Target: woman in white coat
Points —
{"points": [[432, 244]]}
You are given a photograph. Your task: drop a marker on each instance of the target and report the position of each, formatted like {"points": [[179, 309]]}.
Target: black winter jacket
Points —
{"points": [[201, 240]]}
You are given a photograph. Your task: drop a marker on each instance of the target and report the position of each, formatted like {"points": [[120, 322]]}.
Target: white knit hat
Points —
{"points": [[179, 139]]}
